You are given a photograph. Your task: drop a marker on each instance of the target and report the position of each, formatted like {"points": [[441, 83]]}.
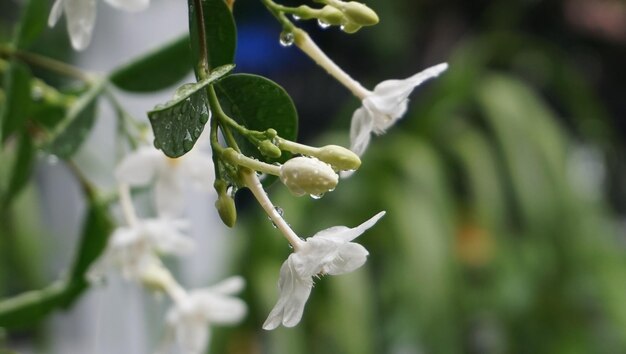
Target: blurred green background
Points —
{"points": [[503, 184], [503, 187]]}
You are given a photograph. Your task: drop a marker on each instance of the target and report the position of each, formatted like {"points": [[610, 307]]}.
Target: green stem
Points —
{"points": [[45, 63], [278, 11], [296, 148], [203, 64], [255, 165]]}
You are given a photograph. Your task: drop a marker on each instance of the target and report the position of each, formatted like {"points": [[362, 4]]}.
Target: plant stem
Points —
{"points": [[256, 165], [253, 183], [46, 63], [203, 64], [296, 148]]}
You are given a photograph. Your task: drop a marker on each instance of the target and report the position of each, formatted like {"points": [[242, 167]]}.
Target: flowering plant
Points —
{"points": [[221, 132]]}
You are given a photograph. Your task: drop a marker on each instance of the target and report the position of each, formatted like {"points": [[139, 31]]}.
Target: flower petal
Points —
{"points": [[139, 167], [55, 13], [294, 292], [168, 193], [217, 308], [192, 335], [129, 5], [80, 16], [229, 286], [166, 235], [345, 234], [389, 95], [360, 130], [199, 167], [349, 257]]}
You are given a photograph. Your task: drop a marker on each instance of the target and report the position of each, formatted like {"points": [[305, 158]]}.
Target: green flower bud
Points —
{"points": [[359, 14], [156, 278], [304, 12], [268, 149], [331, 15], [306, 175], [350, 27], [339, 157], [225, 204]]}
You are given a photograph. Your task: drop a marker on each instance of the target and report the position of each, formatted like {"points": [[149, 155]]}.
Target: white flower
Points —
{"points": [[133, 250], [170, 175], [327, 252], [191, 315], [384, 106], [308, 175], [81, 16]]}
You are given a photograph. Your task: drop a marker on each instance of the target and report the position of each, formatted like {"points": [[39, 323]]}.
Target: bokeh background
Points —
{"points": [[503, 185]]}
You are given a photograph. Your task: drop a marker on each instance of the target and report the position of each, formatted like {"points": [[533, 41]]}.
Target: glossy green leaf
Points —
{"points": [[14, 112], [220, 31], [70, 133], [21, 170], [178, 123], [156, 70], [33, 22], [258, 104]]}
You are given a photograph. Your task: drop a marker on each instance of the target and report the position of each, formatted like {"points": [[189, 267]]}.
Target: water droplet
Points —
{"points": [[317, 196], [280, 211], [323, 24], [187, 142], [342, 28], [231, 191], [52, 159], [295, 17], [286, 39]]}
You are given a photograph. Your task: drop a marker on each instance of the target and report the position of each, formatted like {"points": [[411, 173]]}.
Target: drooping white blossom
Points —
{"points": [[192, 313], [134, 249], [170, 175], [384, 106], [81, 16], [329, 251]]}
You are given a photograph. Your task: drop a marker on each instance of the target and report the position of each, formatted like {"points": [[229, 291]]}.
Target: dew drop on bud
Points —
{"points": [[323, 24], [295, 17], [286, 39], [317, 196]]}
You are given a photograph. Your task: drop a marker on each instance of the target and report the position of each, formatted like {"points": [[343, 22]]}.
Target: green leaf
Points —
{"points": [[21, 170], [178, 123], [220, 31], [33, 22], [156, 70], [69, 134], [258, 104], [28, 308], [14, 112]]}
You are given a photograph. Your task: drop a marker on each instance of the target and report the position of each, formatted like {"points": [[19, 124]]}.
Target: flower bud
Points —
{"points": [[304, 12], [306, 175], [339, 157], [225, 204], [156, 278], [359, 14], [268, 149], [331, 15]]}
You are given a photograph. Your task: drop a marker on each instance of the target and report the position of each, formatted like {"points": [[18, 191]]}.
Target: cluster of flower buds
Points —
{"points": [[351, 16]]}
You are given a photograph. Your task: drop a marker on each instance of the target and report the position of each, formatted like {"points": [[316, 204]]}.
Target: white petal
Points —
{"points": [[219, 309], [346, 234], [192, 335], [349, 257], [168, 194], [294, 292], [55, 13], [80, 16], [166, 235], [315, 253], [129, 5], [229, 286], [360, 130], [389, 94], [139, 167], [199, 167]]}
